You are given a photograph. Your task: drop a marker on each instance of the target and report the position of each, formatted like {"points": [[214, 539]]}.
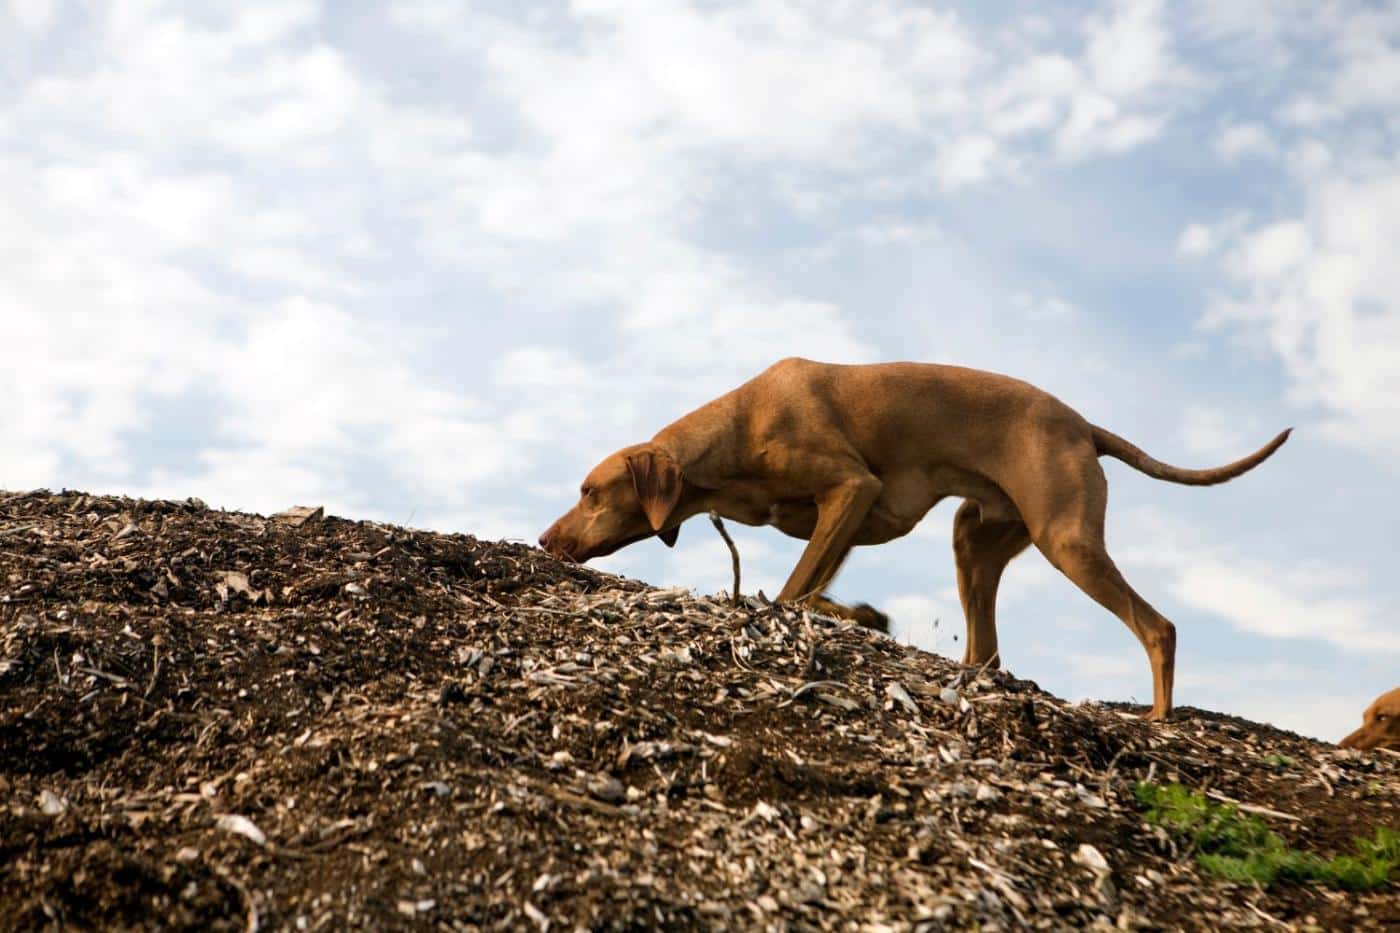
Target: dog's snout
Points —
{"points": [[554, 542]]}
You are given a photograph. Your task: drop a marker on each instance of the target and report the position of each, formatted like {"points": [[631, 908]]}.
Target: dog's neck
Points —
{"points": [[702, 444]]}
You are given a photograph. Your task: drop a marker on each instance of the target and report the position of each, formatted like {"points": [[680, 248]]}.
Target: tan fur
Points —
{"points": [[849, 455], [1380, 725]]}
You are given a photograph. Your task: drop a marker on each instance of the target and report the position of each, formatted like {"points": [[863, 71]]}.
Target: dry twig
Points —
{"points": [[733, 553]]}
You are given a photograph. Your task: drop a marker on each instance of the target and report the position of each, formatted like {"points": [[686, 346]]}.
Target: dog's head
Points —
{"points": [[631, 495], [1380, 726]]}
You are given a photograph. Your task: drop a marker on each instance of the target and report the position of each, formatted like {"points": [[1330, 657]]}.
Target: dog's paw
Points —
{"points": [[870, 617], [863, 614]]}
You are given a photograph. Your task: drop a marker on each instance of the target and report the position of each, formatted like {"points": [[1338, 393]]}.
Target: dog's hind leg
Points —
{"points": [[1068, 528], [983, 549]]}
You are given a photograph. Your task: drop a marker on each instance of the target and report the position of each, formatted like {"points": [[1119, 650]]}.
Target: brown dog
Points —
{"points": [[847, 455], [1380, 726]]}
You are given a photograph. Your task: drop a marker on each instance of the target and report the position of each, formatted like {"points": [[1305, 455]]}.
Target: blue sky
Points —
{"points": [[427, 262]]}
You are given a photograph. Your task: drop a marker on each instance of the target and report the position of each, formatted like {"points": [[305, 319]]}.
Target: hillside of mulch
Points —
{"points": [[212, 720]]}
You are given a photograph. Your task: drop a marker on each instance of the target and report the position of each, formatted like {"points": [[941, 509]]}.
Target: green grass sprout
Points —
{"points": [[1240, 847]]}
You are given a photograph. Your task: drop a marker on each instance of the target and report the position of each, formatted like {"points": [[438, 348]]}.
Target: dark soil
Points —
{"points": [[212, 720]]}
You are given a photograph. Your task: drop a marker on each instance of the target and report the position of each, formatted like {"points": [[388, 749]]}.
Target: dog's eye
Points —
{"points": [[586, 491]]}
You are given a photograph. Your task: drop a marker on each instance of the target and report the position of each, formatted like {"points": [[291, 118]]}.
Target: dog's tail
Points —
{"points": [[1106, 442]]}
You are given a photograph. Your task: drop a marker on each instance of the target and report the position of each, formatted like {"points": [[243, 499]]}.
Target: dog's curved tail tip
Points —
{"points": [[1109, 444]]}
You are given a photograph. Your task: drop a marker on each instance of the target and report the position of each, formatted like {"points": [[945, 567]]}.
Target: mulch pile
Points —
{"points": [[213, 720]]}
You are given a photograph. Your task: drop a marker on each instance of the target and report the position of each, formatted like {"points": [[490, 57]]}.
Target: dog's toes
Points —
{"points": [[864, 614], [870, 617], [1156, 715]]}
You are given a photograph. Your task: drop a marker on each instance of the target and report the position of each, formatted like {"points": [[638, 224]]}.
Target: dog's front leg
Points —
{"points": [[840, 512]]}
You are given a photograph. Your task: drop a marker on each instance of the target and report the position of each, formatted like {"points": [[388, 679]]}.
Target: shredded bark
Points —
{"points": [[213, 720]]}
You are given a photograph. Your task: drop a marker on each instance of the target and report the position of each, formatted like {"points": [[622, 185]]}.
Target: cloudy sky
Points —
{"points": [[426, 262]]}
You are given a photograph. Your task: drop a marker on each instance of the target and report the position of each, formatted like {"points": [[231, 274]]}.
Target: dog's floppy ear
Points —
{"points": [[657, 479]]}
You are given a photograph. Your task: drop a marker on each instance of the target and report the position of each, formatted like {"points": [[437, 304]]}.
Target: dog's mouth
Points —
{"points": [[1363, 739], [603, 550]]}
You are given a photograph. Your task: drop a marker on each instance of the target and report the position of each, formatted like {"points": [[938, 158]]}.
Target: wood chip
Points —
{"points": [[299, 515]]}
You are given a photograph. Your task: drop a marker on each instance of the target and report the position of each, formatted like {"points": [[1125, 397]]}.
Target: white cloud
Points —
{"points": [[1130, 51], [1029, 97], [85, 313], [1043, 306], [1196, 240], [1241, 678], [1257, 598], [1272, 251], [702, 560], [226, 81], [1025, 575], [1308, 600], [967, 160], [1267, 691], [661, 88], [1097, 124], [680, 78], [1242, 140], [626, 132], [1116, 97], [1327, 713], [32, 15], [1306, 110], [550, 368], [898, 232], [1367, 49], [1123, 669], [1208, 432], [146, 261], [1263, 691], [1321, 290], [309, 381], [1200, 239], [930, 623], [1309, 159], [260, 479], [1131, 65]]}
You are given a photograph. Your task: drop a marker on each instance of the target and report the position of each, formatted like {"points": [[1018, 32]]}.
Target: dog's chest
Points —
{"points": [[747, 502]]}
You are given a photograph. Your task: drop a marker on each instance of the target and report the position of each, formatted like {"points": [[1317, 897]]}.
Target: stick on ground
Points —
{"points": [[733, 552]]}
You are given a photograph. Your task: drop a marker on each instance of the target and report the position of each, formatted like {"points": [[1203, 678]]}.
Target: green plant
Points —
{"points": [[1241, 847], [1275, 760]]}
